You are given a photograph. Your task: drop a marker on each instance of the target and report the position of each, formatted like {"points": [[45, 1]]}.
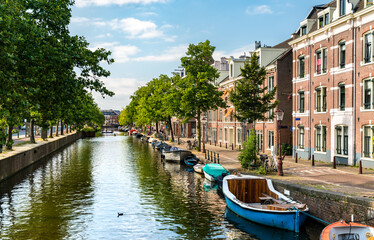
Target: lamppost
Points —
{"points": [[279, 114]]}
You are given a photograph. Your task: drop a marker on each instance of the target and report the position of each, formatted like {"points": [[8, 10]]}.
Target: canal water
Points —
{"points": [[79, 192]]}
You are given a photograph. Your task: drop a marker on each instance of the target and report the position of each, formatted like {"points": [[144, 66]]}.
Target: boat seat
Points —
{"points": [[272, 198]]}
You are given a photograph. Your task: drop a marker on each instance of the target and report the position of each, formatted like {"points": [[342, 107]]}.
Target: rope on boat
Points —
{"points": [[309, 215]]}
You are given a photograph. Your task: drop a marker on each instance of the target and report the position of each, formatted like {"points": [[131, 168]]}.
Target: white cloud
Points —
{"points": [[259, 10], [79, 19], [171, 54], [136, 28], [86, 3], [107, 35], [235, 53], [120, 53]]}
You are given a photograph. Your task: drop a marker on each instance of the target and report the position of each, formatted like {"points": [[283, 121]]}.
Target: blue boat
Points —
{"points": [[191, 160], [213, 170], [255, 199]]}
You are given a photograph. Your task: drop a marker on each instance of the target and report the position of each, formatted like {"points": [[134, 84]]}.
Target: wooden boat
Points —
{"points": [[199, 168], [254, 198], [176, 155], [213, 170], [347, 231]]}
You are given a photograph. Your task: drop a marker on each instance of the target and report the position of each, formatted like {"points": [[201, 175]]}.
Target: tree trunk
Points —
{"points": [[32, 134], [62, 128], [171, 129], [57, 128], [51, 131], [199, 129], [44, 133], [9, 140], [157, 127]]}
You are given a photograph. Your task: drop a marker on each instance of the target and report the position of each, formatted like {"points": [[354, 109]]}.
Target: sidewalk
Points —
{"points": [[344, 179]]}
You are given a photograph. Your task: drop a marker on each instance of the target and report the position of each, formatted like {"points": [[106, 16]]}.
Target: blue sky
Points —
{"points": [[148, 37]]}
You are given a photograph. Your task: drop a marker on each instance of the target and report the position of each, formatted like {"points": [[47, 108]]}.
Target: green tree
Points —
{"points": [[249, 153], [198, 90], [252, 101]]}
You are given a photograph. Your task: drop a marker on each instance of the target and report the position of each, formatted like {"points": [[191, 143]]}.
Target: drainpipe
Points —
{"points": [[310, 101], [354, 92]]}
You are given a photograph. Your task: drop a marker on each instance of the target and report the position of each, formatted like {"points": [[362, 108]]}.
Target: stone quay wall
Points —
{"points": [[22, 159], [330, 206]]}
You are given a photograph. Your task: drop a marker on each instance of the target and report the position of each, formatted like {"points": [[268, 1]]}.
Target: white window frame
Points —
{"points": [[270, 112], [370, 140], [299, 66], [239, 136], [342, 147], [270, 139], [226, 135], [259, 140], [299, 101], [323, 52], [368, 84], [342, 47], [322, 99], [342, 12], [300, 137], [270, 83], [369, 59], [320, 144]]}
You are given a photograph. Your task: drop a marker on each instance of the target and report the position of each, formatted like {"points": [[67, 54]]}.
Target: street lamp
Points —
{"points": [[279, 114]]}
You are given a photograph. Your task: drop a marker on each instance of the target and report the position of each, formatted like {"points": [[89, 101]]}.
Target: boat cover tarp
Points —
{"points": [[215, 169]]}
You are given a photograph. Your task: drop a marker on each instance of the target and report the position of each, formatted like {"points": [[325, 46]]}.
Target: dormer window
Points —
{"points": [[321, 22], [341, 8], [369, 3], [327, 18], [323, 19], [232, 70], [303, 30]]}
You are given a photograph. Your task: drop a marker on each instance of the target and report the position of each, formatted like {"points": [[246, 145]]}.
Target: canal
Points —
{"points": [[78, 192]]}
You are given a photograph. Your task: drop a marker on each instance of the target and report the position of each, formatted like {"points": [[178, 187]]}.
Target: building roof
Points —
{"points": [[283, 44]]}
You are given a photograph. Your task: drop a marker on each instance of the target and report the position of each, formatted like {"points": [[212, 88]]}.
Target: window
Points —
{"points": [[209, 134], [320, 22], [321, 61], [239, 135], [368, 47], [301, 67], [303, 30], [226, 135], [320, 138], [368, 94], [342, 8], [259, 139], [220, 116], [301, 101], [369, 3], [270, 139], [300, 137], [327, 18], [342, 140], [271, 83], [341, 96], [368, 143], [321, 99], [214, 135], [220, 134], [342, 54], [232, 70], [271, 115]]}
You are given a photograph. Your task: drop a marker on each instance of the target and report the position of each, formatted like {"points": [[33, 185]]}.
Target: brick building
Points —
{"points": [[333, 110]]}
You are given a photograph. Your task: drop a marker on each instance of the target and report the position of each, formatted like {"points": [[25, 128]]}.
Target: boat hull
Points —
{"points": [[176, 156], [340, 230], [209, 177], [282, 220]]}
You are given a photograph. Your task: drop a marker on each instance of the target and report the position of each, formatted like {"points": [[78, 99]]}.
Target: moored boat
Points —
{"points": [[191, 160], [213, 170], [176, 154], [347, 231], [199, 168], [254, 198]]}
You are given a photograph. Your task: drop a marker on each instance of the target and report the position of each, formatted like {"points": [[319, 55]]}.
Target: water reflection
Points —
{"points": [[78, 193]]}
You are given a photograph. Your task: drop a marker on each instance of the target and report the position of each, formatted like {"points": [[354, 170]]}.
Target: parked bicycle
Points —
{"points": [[269, 163]]}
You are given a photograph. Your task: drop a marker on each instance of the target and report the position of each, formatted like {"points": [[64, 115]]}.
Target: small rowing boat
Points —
{"points": [[347, 231]]}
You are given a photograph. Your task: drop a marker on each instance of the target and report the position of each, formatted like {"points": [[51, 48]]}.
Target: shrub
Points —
{"points": [[248, 155], [88, 129], [286, 148]]}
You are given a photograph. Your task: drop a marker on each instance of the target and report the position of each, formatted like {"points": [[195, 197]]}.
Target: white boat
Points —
{"points": [[213, 170], [349, 231], [199, 168], [176, 155], [255, 199]]}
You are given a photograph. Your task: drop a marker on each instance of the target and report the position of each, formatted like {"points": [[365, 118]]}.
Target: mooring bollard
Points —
{"points": [[218, 158], [220, 145], [208, 155], [211, 156], [215, 159], [334, 163], [205, 154], [313, 160], [226, 145], [360, 167], [295, 157], [215, 144], [232, 146]]}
